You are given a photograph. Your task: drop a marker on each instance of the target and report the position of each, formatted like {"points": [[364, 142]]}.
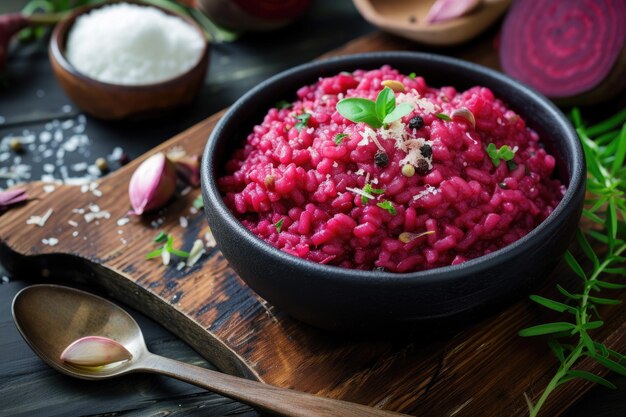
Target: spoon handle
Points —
{"points": [[281, 401]]}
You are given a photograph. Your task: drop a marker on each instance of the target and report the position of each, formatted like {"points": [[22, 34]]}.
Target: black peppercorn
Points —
{"points": [[422, 167], [416, 122], [426, 151], [381, 159]]}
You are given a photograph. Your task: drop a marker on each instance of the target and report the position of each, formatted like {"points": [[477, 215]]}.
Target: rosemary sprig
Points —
{"points": [[570, 340]]}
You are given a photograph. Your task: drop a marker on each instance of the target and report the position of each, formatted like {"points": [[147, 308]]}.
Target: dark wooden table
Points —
{"points": [[31, 98]]}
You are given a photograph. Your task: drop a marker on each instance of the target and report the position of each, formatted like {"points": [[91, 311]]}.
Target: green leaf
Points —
{"points": [[387, 205], [568, 294], [593, 325], [154, 253], [492, 151], [611, 222], [398, 113], [385, 103], [604, 301], [443, 116], [584, 337], [178, 252], [574, 265], [576, 117], [593, 217], [608, 124], [359, 110], [339, 137], [283, 104], [303, 121], [161, 237], [586, 247], [198, 202], [557, 349], [611, 285], [610, 364], [551, 304], [412, 75], [548, 328], [591, 377], [279, 225]]}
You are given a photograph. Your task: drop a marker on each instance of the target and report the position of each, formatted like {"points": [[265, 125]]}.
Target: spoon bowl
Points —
{"points": [[51, 317]]}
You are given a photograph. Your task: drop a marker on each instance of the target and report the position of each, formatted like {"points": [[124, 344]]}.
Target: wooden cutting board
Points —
{"points": [[481, 370]]}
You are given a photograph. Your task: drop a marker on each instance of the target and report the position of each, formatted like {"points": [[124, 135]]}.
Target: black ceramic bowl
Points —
{"points": [[334, 298]]}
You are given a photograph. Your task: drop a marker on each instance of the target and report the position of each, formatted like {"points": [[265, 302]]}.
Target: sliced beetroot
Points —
{"points": [[567, 49]]}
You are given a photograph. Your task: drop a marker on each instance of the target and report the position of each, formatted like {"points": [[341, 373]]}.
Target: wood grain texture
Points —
{"points": [[483, 369]]}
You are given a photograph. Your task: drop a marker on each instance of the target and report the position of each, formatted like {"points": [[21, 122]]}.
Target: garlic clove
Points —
{"points": [[152, 185], [443, 10], [465, 114], [10, 197], [187, 166], [95, 351]]}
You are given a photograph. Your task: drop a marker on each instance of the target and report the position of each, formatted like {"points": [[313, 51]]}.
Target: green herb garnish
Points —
{"points": [[198, 202], [303, 120], [279, 225], [371, 191], [283, 104], [570, 340], [511, 165], [443, 116], [412, 75], [387, 205], [161, 237], [504, 153], [340, 137], [374, 113]]}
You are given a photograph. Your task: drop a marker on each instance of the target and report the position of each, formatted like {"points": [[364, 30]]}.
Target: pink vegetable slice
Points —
{"points": [[566, 48]]}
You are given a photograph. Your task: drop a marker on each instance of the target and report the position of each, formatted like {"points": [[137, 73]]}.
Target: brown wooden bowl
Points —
{"points": [[116, 101]]}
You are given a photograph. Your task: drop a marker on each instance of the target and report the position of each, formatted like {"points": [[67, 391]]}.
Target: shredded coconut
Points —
{"points": [[132, 45]]}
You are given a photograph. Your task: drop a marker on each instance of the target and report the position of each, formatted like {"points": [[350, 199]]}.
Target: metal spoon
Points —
{"points": [[50, 317]]}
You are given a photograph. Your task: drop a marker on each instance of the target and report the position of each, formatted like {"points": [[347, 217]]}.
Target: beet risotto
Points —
{"points": [[376, 170]]}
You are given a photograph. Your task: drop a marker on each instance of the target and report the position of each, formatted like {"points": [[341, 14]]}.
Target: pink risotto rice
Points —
{"points": [[330, 199]]}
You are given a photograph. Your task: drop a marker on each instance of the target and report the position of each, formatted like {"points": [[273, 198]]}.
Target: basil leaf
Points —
{"points": [[385, 102], [399, 112], [359, 110]]}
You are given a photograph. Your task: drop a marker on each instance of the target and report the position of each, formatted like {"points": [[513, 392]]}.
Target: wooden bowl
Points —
{"points": [[346, 299], [115, 101], [407, 18]]}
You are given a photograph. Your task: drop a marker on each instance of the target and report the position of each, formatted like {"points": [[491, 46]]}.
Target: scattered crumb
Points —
{"points": [[75, 233], [51, 241], [209, 239], [180, 265], [183, 222], [123, 221], [72, 223], [196, 252], [49, 188], [40, 220]]}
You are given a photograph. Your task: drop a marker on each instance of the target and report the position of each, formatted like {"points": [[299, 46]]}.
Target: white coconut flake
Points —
{"points": [[166, 257], [209, 239], [51, 241], [72, 223], [89, 217], [75, 233], [40, 220], [196, 252], [182, 220], [360, 192], [123, 221]]}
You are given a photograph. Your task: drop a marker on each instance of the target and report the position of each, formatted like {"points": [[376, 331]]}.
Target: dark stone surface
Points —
{"points": [[28, 387]]}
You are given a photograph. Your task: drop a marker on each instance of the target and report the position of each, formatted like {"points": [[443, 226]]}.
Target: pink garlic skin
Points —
{"points": [[10, 197], [95, 351], [152, 185], [444, 10]]}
